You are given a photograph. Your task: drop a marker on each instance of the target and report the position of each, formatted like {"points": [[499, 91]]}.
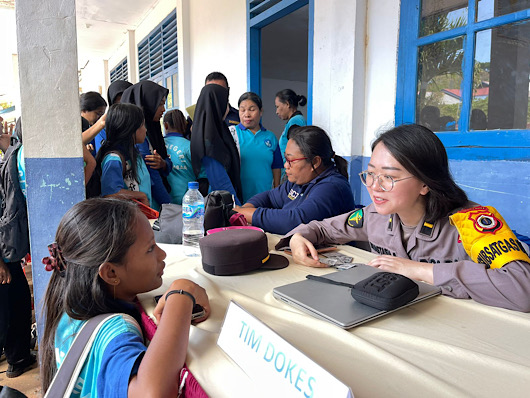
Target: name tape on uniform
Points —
{"points": [[271, 362]]}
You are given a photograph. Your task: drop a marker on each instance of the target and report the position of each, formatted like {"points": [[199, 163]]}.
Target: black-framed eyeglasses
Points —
{"points": [[290, 161], [386, 183]]}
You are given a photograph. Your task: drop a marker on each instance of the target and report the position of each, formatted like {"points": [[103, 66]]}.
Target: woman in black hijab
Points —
{"points": [[151, 97], [116, 90], [114, 93], [212, 145]]}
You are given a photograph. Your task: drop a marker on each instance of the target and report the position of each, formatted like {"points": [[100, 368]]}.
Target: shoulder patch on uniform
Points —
{"points": [[356, 219]]}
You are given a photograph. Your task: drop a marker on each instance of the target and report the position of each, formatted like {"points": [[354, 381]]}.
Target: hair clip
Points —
{"points": [[55, 261]]}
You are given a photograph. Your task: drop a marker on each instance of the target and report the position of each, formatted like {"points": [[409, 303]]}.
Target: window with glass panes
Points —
{"points": [[463, 71]]}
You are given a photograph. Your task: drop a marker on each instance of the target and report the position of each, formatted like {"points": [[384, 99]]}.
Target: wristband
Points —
{"points": [[183, 292]]}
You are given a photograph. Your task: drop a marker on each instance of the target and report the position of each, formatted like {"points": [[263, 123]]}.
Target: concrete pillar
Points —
{"points": [[184, 54], [132, 58], [49, 93], [106, 77], [339, 78]]}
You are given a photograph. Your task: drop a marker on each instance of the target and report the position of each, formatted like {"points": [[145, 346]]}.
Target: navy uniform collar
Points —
{"points": [[174, 134]]}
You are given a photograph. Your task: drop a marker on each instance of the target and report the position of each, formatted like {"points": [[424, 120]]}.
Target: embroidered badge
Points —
{"points": [[355, 220], [487, 238], [268, 143], [484, 220], [293, 194]]}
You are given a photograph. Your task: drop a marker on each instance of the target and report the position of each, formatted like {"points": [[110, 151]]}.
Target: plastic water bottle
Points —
{"points": [[192, 219]]}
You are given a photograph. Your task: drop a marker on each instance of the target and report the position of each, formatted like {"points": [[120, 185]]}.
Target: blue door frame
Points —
{"points": [[279, 10]]}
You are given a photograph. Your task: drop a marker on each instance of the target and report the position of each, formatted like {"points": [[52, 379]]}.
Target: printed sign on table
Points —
{"points": [[273, 363]]}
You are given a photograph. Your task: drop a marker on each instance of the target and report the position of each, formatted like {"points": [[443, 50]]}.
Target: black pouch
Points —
{"points": [[218, 208], [169, 224], [385, 291]]}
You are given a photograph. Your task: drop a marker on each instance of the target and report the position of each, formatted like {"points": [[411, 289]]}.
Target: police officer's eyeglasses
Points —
{"points": [[290, 161], [386, 183]]}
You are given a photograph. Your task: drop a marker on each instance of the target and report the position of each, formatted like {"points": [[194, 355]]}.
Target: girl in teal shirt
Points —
{"points": [[178, 149]]}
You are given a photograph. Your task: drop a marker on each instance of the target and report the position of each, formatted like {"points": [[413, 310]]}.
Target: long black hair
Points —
{"points": [[178, 122], [121, 124], [290, 98], [421, 153], [91, 233], [313, 142]]}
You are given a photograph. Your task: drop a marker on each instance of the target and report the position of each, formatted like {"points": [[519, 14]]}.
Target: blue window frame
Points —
{"points": [[262, 13], [120, 72], [463, 28], [158, 57]]}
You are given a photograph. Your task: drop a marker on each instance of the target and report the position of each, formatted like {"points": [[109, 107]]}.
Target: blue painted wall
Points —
{"points": [[504, 185], [54, 186]]}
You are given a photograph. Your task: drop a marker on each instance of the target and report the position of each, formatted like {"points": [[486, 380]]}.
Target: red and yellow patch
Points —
{"points": [[487, 238]]}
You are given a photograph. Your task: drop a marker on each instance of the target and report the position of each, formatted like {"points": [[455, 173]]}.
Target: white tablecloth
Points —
{"points": [[437, 348]]}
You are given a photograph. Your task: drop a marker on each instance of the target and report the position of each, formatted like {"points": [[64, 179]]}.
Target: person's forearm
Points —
{"points": [[158, 374], [276, 174], [91, 133], [126, 194], [90, 165]]}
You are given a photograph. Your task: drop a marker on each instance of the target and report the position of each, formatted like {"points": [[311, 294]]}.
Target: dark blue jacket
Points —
{"points": [[289, 205]]}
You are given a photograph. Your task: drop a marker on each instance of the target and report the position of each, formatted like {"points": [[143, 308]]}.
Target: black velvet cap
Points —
{"points": [[236, 251]]}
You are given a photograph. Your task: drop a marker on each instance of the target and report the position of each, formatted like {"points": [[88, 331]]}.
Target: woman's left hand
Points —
{"points": [[411, 269], [155, 161], [247, 211]]}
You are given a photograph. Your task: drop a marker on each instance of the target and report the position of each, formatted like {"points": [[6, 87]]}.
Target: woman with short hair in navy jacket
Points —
{"points": [[317, 185]]}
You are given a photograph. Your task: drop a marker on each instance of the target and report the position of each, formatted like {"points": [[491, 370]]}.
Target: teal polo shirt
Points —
{"points": [[259, 154], [178, 149]]}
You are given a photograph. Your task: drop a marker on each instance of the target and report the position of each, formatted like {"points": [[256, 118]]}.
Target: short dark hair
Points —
{"points": [[91, 101], [249, 95], [289, 97], [216, 76], [421, 153], [313, 142]]}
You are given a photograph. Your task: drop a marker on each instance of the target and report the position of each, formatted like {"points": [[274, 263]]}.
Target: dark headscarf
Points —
{"points": [[211, 137], [148, 95], [116, 88]]}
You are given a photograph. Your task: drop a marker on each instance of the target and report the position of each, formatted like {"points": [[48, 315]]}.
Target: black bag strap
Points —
{"points": [[64, 381]]}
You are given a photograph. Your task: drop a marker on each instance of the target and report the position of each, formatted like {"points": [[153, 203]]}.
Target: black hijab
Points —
{"points": [[148, 95], [116, 88], [210, 135]]}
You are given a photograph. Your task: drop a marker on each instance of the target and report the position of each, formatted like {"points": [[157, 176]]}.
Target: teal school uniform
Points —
{"points": [[112, 179], [21, 170], [113, 359], [296, 120], [178, 149], [259, 154]]}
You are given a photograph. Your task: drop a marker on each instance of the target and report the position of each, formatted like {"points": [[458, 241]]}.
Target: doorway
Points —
{"points": [[280, 48]]}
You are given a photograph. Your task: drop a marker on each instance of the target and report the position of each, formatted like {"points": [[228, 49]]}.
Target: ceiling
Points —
{"points": [[102, 25]]}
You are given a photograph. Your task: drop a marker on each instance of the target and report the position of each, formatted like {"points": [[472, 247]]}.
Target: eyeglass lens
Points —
{"points": [[385, 182]]}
